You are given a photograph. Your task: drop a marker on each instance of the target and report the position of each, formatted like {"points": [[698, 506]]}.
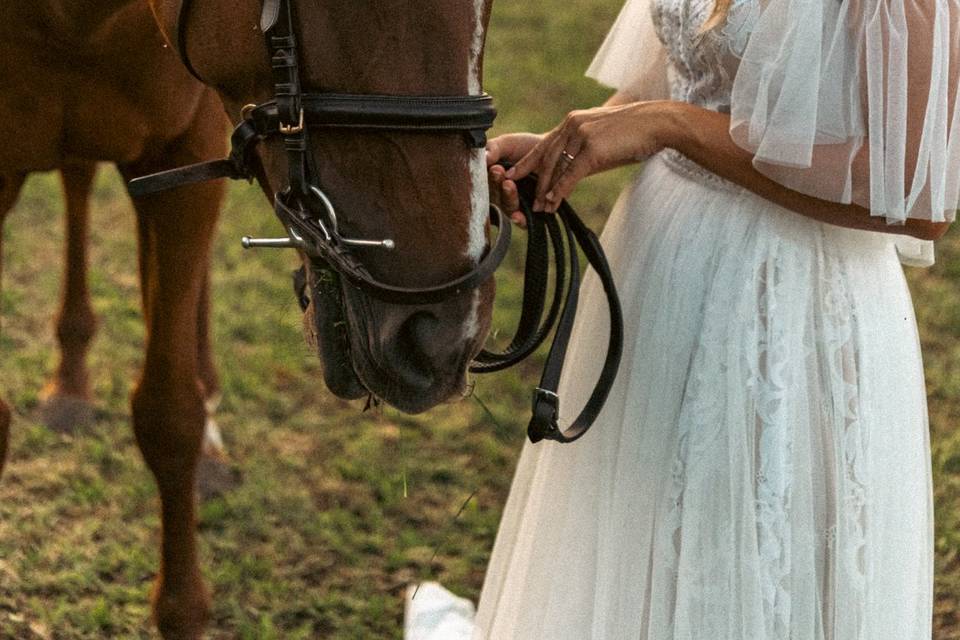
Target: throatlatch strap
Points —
{"points": [[183, 22]]}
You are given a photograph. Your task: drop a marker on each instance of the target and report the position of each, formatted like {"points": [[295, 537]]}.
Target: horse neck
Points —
{"points": [[84, 19]]}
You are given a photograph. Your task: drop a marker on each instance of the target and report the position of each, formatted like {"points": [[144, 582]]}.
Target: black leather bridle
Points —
{"points": [[309, 216]]}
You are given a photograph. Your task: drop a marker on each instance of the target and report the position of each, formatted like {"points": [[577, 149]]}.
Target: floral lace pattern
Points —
{"points": [[702, 64], [768, 380]]}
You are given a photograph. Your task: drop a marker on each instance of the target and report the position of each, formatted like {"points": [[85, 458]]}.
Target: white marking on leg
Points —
{"points": [[213, 403], [213, 446]]}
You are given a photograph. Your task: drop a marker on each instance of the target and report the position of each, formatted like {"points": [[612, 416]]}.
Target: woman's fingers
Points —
{"points": [[510, 147], [495, 184], [496, 175], [569, 155], [503, 193], [528, 163], [576, 171], [552, 165], [510, 197], [496, 150]]}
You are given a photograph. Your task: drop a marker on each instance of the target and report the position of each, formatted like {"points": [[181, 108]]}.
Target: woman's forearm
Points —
{"points": [[703, 136], [619, 99]]}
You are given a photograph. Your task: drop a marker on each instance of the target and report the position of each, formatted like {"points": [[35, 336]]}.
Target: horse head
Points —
{"points": [[426, 191]]}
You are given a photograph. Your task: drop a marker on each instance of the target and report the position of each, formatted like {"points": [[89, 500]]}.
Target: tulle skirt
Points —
{"points": [[761, 470]]}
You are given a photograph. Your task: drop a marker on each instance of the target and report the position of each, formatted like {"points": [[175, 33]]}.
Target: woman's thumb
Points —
{"points": [[494, 151]]}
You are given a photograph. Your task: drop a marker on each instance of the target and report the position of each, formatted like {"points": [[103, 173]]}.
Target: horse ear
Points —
{"points": [[269, 14]]}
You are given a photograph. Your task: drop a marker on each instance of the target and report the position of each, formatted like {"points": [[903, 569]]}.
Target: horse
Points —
{"points": [[65, 401], [97, 80]]}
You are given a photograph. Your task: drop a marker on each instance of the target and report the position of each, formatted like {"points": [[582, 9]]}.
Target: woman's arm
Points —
{"points": [[703, 136], [622, 132], [619, 99]]}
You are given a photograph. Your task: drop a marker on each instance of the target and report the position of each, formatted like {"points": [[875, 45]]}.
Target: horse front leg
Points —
{"points": [[175, 232], [216, 474], [9, 190], [168, 403], [66, 398]]}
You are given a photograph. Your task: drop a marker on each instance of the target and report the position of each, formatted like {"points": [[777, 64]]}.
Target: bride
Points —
{"points": [[761, 469]]}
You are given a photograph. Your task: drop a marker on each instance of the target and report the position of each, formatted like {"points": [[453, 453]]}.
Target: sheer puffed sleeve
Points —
{"points": [[855, 101], [632, 59]]}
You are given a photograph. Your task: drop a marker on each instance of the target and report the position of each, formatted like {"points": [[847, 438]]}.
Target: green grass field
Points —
{"points": [[338, 509]]}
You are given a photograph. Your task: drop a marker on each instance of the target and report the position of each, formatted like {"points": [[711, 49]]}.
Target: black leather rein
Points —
{"points": [[310, 219], [562, 232]]}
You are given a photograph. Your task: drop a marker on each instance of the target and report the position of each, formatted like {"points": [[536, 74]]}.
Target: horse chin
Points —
{"points": [[325, 331], [410, 399]]}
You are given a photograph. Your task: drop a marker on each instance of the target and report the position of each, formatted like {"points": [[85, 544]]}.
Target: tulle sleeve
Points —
{"points": [[855, 101], [632, 59]]}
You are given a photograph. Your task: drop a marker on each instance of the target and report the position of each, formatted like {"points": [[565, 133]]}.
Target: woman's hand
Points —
{"points": [[589, 142], [510, 148]]}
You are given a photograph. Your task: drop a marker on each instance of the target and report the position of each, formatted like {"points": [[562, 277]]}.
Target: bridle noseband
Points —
{"points": [[310, 218]]}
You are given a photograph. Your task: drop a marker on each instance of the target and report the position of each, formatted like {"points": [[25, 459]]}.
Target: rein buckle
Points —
{"points": [[292, 129]]}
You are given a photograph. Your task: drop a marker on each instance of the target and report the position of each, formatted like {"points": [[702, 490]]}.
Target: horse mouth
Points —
{"points": [[346, 327], [325, 329]]}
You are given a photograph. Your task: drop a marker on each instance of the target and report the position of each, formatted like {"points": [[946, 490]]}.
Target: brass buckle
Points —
{"points": [[289, 130]]}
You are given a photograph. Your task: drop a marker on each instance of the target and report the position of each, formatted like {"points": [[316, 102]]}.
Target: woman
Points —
{"points": [[761, 470]]}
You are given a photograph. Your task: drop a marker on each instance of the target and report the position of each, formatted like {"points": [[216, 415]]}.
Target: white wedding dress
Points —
{"points": [[761, 470]]}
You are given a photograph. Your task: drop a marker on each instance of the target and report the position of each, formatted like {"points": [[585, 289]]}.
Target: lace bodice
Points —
{"points": [[702, 65], [800, 80]]}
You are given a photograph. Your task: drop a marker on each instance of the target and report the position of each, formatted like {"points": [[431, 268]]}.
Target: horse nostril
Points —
{"points": [[417, 352]]}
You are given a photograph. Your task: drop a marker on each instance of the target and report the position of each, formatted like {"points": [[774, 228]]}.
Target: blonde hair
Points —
{"points": [[719, 15]]}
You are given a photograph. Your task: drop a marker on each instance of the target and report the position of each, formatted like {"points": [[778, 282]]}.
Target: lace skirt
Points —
{"points": [[761, 470]]}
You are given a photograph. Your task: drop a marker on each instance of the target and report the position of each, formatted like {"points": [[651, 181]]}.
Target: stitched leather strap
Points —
{"points": [[472, 115], [546, 403], [543, 234], [531, 331]]}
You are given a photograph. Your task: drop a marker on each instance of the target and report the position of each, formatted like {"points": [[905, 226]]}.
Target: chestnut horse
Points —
{"points": [[66, 402], [96, 80], [93, 80]]}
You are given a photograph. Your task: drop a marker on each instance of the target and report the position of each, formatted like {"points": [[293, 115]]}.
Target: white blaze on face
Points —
{"points": [[480, 196], [472, 326]]}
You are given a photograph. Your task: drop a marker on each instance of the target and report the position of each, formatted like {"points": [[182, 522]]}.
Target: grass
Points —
{"points": [[338, 509]]}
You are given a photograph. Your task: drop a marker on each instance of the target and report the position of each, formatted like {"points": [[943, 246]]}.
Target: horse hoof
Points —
{"points": [[183, 615], [215, 477], [66, 413]]}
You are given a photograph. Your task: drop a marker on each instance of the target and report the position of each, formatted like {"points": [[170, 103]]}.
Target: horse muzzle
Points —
{"points": [[413, 357]]}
